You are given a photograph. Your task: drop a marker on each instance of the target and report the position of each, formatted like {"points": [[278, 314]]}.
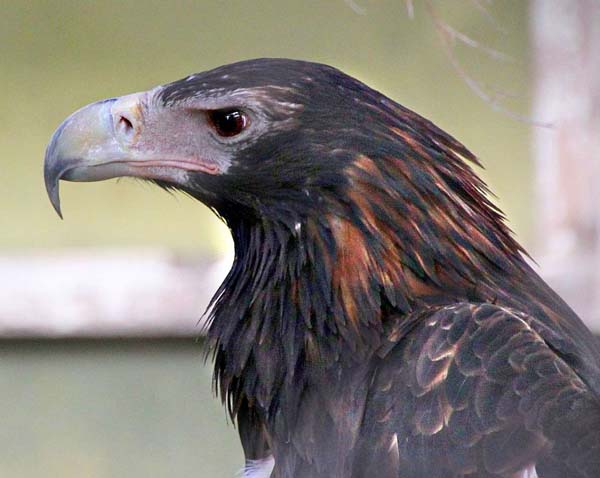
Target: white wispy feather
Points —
{"points": [[258, 468]]}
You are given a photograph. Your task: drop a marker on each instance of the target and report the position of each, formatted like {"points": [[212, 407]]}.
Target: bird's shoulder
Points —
{"points": [[478, 390]]}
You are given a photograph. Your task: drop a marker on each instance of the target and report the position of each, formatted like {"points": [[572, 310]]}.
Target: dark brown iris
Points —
{"points": [[228, 122]]}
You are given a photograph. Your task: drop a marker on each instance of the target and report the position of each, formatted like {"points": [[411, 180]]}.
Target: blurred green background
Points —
{"points": [[145, 409]]}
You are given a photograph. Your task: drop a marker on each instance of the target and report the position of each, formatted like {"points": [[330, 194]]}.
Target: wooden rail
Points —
{"points": [[106, 293]]}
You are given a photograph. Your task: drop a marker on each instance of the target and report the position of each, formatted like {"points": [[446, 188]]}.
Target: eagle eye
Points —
{"points": [[228, 122]]}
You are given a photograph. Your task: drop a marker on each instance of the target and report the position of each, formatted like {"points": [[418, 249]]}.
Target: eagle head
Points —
{"points": [[259, 138]]}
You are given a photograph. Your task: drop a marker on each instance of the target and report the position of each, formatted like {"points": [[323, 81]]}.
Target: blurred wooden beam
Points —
{"points": [[106, 293], [566, 54]]}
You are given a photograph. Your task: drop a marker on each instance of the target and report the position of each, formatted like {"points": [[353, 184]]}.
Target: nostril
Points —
{"points": [[125, 125], [126, 118]]}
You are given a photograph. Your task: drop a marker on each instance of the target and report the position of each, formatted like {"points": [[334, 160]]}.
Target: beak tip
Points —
{"points": [[55, 198], [58, 211], [53, 170], [51, 180]]}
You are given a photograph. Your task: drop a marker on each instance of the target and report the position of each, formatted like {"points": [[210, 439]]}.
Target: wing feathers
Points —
{"points": [[475, 391]]}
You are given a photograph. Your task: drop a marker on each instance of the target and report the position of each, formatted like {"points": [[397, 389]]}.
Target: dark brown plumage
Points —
{"points": [[379, 319]]}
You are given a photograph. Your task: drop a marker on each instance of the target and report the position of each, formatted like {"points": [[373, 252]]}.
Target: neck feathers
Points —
{"points": [[411, 227]]}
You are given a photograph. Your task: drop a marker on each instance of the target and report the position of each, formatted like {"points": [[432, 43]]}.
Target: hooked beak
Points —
{"points": [[118, 137]]}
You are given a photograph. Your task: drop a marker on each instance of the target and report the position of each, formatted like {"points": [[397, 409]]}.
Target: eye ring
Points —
{"points": [[228, 122]]}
